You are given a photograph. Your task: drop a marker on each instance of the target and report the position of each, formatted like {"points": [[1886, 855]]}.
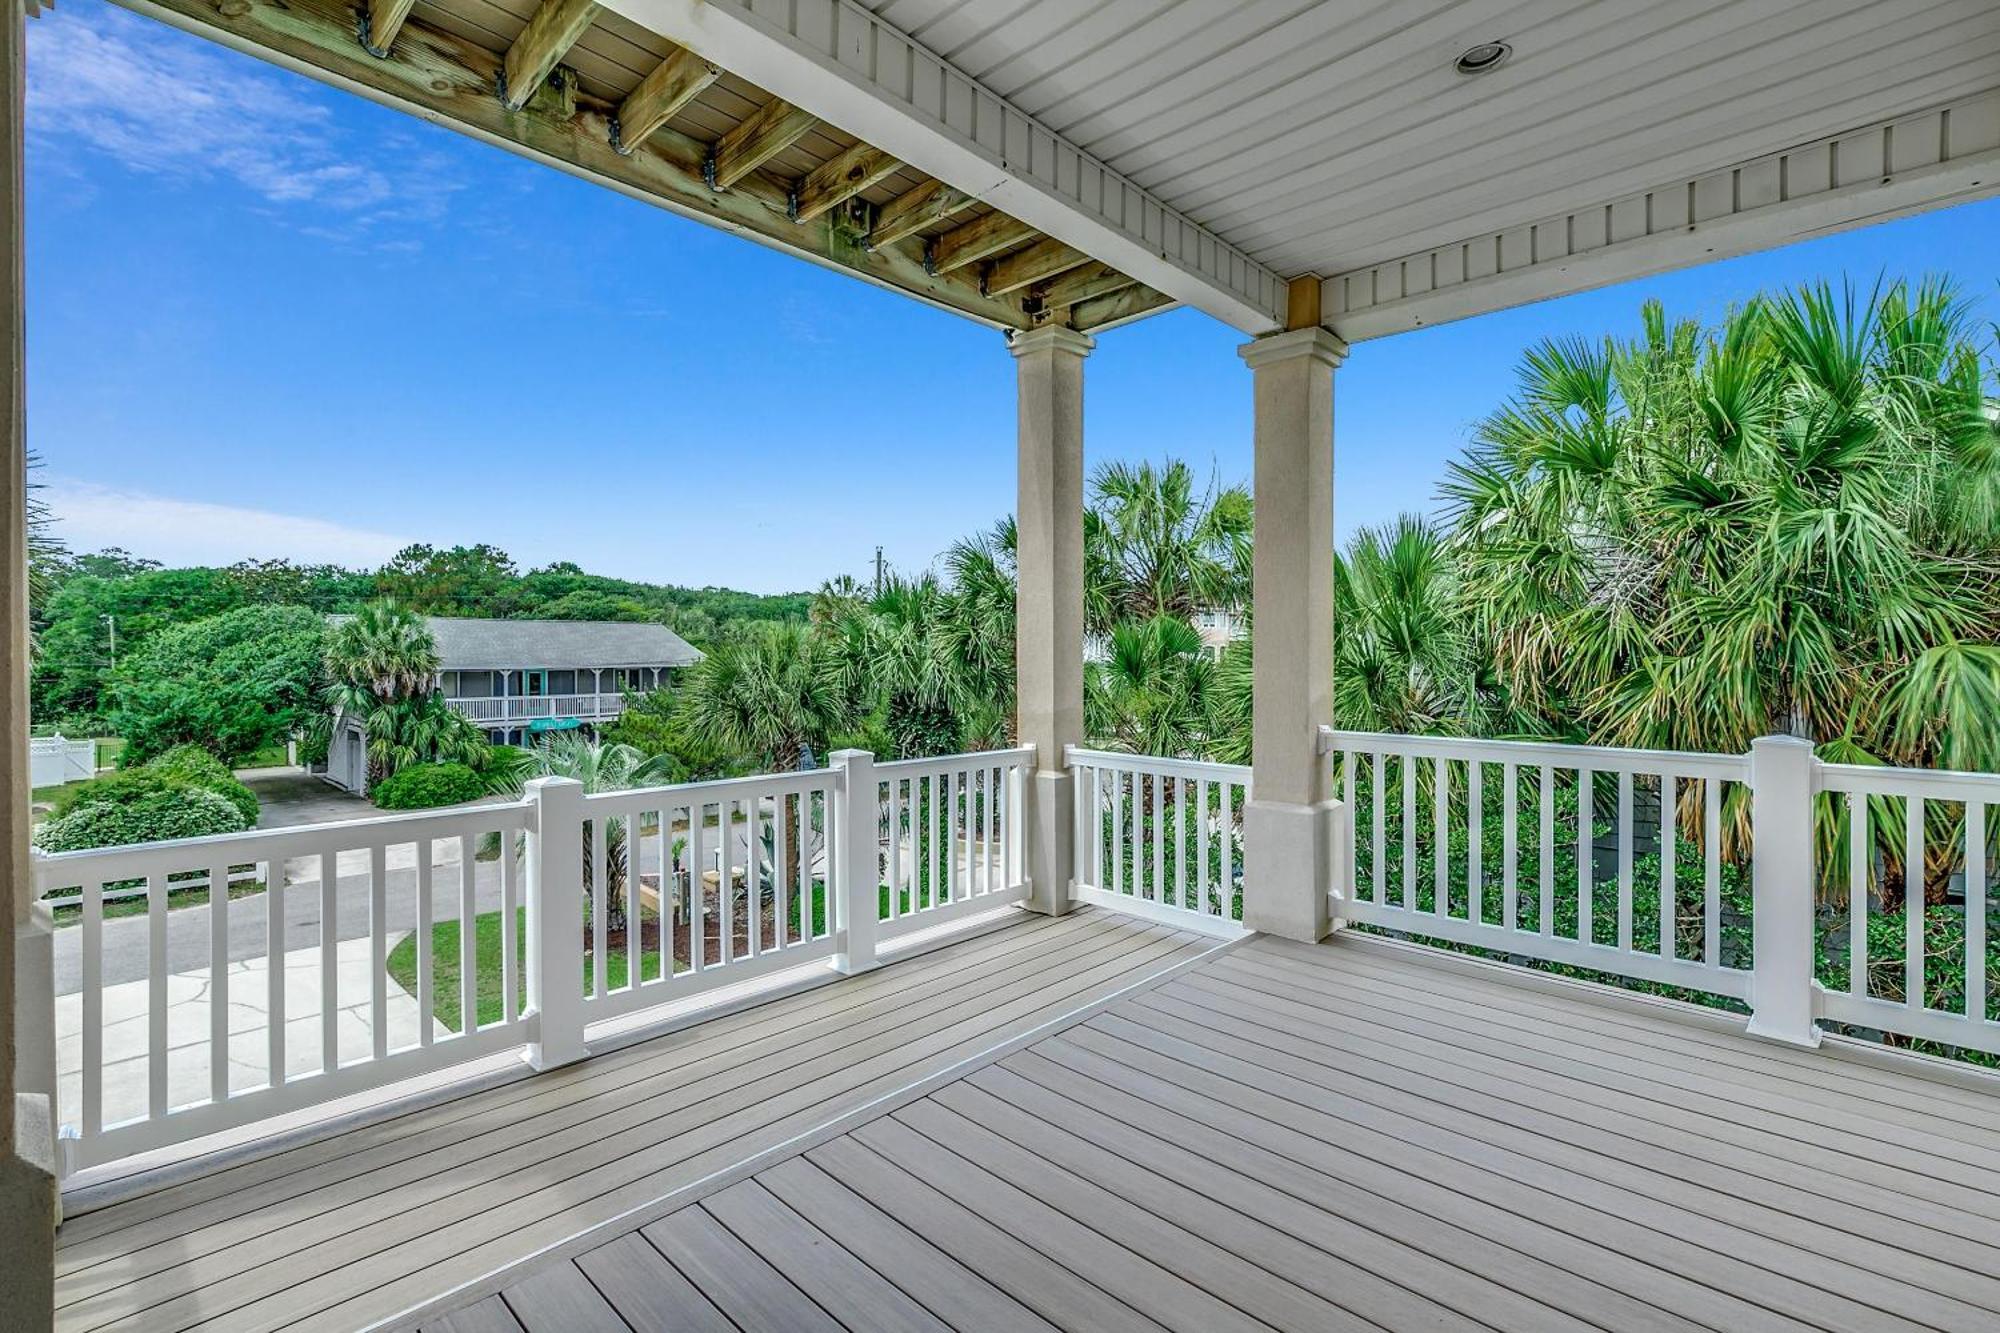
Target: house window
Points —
{"points": [[562, 682]]}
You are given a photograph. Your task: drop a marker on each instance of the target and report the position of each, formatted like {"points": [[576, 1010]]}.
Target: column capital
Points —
{"points": [[1051, 338], [1317, 343]]}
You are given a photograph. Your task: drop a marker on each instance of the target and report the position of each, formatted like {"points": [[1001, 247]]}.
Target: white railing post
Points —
{"points": [[1781, 879], [35, 1013], [856, 892], [555, 921]]}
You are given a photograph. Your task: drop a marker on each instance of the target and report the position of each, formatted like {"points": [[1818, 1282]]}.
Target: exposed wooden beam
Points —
{"points": [[776, 126], [913, 210], [381, 20], [445, 79], [1044, 259], [546, 40], [835, 182], [1302, 301], [1102, 311], [1080, 284], [674, 83], [981, 238]]}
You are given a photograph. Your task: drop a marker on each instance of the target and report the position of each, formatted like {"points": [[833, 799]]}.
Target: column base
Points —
{"points": [[1288, 855], [29, 1212], [1051, 840]]}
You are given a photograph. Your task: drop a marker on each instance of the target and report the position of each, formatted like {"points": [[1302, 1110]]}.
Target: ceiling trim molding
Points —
{"points": [[1947, 155], [873, 81]]}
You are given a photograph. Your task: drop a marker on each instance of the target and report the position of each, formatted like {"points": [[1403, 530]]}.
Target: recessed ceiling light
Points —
{"points": [[1483, 57]]}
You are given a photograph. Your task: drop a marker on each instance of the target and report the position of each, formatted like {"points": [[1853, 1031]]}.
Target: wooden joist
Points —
{"points": [[1079, 284], [1042, 260], [982, 238], [913, 210], [546, 40], [674, 83], [776, 126], [381, 21], [839, 179], [448, 79], [1116, 308]]}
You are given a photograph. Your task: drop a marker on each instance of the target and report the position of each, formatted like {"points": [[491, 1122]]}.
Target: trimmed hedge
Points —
{"points": [[427, 786], [173, 810]]}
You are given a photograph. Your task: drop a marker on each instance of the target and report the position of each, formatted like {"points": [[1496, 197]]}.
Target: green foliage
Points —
{"points": [[427, 786], [173, 810], [768, 698], [235, 682], [75, 636], [198, 768]]}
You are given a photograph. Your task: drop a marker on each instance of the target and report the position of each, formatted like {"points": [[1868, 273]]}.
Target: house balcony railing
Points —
{"points": [[1724, 875], [528, 707]]}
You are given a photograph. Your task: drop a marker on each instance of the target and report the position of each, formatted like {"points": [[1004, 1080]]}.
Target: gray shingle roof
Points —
{"points": [[491, 645]]}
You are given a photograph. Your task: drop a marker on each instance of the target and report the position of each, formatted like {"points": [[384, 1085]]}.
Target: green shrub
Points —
{"points": [[171, 810], [198, 768], [427, 786]]}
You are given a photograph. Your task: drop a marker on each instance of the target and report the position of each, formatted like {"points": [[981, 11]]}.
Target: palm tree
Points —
{"points": [[384, 649], [1150, 694], [771, 697], [602, 767], [1691, 539], [1154, 545]]}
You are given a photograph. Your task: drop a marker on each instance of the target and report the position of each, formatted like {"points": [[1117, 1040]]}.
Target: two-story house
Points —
{"points": [[520, 678]]}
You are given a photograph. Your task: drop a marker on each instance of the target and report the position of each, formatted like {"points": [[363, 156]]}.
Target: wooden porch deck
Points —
{"points": [[1338, 1137], [1093, 1124], [358, 1228]]}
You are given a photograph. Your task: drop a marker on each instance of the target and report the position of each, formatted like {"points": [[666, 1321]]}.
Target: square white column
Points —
{"points": [[1048, 599], [1290, 820]]}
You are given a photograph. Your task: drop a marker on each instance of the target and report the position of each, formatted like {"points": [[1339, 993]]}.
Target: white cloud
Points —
{"points": [[163, 103], [91, 517]]}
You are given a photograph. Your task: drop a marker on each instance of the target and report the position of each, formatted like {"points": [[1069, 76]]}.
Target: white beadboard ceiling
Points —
{"points": [[1325, 136]]}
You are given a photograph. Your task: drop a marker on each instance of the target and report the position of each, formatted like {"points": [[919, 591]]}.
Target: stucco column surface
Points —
{"points": [[1048, 607], [1289, 822]]}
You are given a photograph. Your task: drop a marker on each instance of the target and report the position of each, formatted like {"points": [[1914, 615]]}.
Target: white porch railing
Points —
{"points": [[528, 707], [1161, 838], [1767, 878], [288, 998]]}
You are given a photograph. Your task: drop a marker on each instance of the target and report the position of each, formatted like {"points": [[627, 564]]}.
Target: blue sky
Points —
{"points": [[269, 318]]}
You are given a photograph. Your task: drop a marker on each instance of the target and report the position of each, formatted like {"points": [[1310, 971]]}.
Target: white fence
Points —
{"points": [[331, 981], [1161, 838], [528, 707], [52, 760], [1770, 878]]}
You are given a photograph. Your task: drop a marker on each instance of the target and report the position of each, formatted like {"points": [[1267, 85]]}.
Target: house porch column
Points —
{"points": [[27, 1167], [1048, 603], [1290, 820]]}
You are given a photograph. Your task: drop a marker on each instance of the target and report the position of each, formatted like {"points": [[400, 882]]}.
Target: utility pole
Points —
{"points": [[878, 571], [111, 624]]}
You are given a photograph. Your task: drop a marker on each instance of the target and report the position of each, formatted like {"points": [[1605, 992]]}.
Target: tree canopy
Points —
{"points": [[233, 683]]}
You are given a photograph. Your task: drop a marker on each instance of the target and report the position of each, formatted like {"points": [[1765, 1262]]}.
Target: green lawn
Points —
{"points": [[487, 945]]}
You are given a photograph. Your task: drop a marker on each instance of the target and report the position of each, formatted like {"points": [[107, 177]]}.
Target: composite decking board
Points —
{"points": [[560, 1299], [488, 1316], [959, 1295], [711, 1124], [1090, 951], [1442, 1212], [646, 1290], [509, 1241], [813, 1262], [1638, 1228], [1052, 1291], [1318, 1250], [1756, 1148], [1782, 1239], [1153, 1289], [776, 1024], [1409, 1243], [1736, 1098], [627, 1074], [1657, 1027], [752, 1293], [1259, 1270], [1977, 1144], [1693, 1157]]}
